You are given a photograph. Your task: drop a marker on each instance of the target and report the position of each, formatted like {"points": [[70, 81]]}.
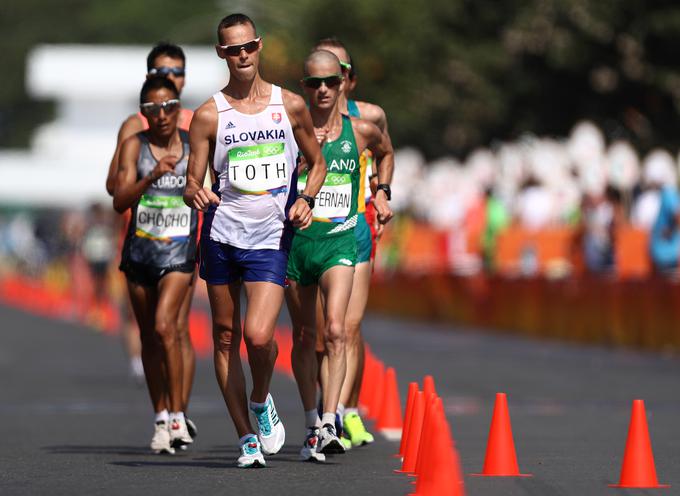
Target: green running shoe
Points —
{"points": [[355, 430], [346, 443]]}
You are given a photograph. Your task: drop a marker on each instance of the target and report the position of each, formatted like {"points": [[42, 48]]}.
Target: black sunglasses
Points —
{"points": [[316, 82], [234, 50], [152, 109], [166, 71]]}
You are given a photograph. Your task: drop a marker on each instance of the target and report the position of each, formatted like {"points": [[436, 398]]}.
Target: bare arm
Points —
{"points": [[376, 141], [377, 116], [128, 189], [303, 130], [131, 126], [201, 134]]}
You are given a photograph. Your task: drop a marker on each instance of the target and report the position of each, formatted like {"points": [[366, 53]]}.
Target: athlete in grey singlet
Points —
{"points": [[162, 231], [159, 252]]}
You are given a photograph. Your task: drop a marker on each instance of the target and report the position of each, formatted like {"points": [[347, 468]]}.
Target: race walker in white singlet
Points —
{"points": [[255, 163]]}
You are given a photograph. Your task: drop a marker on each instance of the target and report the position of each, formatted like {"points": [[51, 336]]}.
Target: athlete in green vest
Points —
{"points": [[323, 256], [367, 233]]}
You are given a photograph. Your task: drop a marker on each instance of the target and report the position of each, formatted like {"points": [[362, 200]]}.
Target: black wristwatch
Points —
{"points": [[308, 199], [386, 188]]}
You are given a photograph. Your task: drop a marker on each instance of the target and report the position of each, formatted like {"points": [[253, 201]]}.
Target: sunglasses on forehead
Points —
{"points": [[234, 50], [154, 109], [166, 71], [316, 82]]}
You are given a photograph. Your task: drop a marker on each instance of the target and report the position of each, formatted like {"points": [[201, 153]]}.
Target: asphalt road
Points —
{"points": [[72, 422]]}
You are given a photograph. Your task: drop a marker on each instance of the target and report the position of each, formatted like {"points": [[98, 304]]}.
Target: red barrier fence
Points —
{"points": [[636, 313], [417, 248]]}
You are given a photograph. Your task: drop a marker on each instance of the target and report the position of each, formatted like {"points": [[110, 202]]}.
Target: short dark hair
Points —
{"points": [[234, 20], [164, 48], [333, 41], [156, 83]]}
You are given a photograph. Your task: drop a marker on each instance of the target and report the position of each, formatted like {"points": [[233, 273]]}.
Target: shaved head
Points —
{"points": [[322, 59]]}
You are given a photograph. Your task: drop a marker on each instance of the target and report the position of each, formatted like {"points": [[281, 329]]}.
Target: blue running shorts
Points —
{"points": [[223, 264]]}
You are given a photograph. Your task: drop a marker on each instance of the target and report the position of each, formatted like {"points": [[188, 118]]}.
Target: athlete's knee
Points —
{"points": [[225, 336], [226, 341], [334, 337], [183, 324], [304, 337], [184, 337], [165, 330], [259, 339], [352, 332]]}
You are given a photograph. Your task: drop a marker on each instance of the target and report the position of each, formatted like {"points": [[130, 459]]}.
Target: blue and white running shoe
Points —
{"points": [[251, 455], [271, 432]]}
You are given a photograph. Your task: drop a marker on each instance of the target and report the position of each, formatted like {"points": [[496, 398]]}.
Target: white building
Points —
{"points": [[95, 89]]}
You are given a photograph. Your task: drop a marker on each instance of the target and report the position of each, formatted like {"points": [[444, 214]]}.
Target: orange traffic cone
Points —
{"points": [[638, 468], [456, 473], [441, 474], [389, 421], [410, 398], [378, 379], [501, 459], [408, 465], [284, 340], [366, 391], [429, 459], [200, 332], [452, 482], [427, 436], [428, 386]]}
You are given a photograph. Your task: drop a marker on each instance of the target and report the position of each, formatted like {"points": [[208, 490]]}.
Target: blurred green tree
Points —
{"points": [[452, 74]]}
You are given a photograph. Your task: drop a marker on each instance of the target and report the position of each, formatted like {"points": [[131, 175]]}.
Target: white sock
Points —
{"points": [[177, 416], [312, 418], [328, 418], [162, 416], [349, 411], [341, 410], [246, 437]]}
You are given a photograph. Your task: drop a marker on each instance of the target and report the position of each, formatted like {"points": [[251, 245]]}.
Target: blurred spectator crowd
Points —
{"points": [[535, 207], [66, 251]]}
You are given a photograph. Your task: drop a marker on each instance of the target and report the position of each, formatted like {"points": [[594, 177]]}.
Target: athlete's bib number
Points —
{"points": [[334, 201], [259, 169], [163, 217]]}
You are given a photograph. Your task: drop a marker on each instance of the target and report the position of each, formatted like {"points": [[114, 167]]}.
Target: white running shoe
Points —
{"points": [[329, 442], [308, 451], [160, 442], [251, 455], [179, 434], [271, 432]]}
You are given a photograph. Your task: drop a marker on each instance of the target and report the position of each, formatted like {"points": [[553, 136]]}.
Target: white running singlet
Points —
{"points": [[255, 164]]}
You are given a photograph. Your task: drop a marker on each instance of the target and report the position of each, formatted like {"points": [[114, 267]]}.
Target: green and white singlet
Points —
{"points": [[362, 230], [329, 241], [335, 211]]}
